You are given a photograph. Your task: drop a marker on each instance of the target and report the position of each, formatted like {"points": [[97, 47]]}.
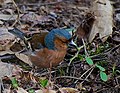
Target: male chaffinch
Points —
{"points": [[52, 47]]}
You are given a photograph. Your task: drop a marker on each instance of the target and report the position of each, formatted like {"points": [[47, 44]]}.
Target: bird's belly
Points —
{"points": [[44, 61]]}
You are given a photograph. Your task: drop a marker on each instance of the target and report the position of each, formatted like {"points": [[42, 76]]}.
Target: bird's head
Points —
{"points": [[57, 38]]}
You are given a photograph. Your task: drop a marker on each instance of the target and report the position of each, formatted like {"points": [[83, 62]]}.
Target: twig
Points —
{"points": [[76, 55], [87, 76], [84, 47], [18, 10], [98, 91], [85, 73], [71, 78]]}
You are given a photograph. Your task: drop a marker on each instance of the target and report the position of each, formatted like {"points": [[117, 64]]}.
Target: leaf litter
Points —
{"points": [[44, 15]]}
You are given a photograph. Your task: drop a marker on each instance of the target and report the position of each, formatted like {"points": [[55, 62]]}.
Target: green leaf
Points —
{"points": [[113, 68], [81, 57], [44, 83], [31, 91], [103, 76], [89, 60], [14, 82], [100, 67]]}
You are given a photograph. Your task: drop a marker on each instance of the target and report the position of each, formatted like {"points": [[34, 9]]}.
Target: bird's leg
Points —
{"points": [[50, 75], [50, 71]]}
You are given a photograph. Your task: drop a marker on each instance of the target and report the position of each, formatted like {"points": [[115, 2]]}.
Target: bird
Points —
{"points": [[51, 47]]}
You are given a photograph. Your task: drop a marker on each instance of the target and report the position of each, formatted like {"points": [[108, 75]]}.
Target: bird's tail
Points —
{"points": [[17, 33], [20, 35]]}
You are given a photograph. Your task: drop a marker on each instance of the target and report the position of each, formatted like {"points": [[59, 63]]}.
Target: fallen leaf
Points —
{"points": [[21, 90], [9, 11], [85, 27], [9, 17], [43, 91], [6, 39], [6, 91], [1, 2], [103, 11], [7, 1], [38, 91], [34, 17], [5, 69], [23, 57], [68, 90], [6, 52]]}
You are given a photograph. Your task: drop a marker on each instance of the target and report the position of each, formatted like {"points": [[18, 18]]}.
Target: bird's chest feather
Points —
{"points": [[45, 56]]}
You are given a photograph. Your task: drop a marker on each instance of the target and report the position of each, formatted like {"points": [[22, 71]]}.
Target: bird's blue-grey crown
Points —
{"points": [[49, 39]]}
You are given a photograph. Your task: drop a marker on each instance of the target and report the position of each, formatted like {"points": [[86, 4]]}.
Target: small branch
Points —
{"points": [[85, 47], [76, 55], [85, 73], [18, 10], [71, 78], [87, 76]]}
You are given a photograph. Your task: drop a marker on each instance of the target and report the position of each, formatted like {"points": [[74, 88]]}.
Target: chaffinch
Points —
{"points": [[51, 47]]}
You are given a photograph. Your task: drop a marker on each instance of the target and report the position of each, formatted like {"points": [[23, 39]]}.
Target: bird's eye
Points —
{"points": [[64, 42]]}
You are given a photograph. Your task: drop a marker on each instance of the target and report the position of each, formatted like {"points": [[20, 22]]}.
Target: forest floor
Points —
{"points": [[90, 68]]}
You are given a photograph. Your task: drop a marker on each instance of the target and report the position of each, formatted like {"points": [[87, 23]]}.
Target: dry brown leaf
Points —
{"points": [[21, 90], [103, 24], [7, 69], [68, 90], [38, 91], [6, 91], [9, 11], [49, 91], [85, 27], [1, 2], [6, 39], [7, 1], [9, 17], [6, 52], [34, 17], [24, 58]]}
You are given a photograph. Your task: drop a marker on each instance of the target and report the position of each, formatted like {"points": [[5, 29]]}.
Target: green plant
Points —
{"points": [[103, 75], [115, 70], [31, 91], [89, 60], [43, 82], [81, 57], [14, 82], [61, 71]]}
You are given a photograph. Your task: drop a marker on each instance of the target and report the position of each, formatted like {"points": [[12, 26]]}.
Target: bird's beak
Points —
{"points": [[72, 43]]}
